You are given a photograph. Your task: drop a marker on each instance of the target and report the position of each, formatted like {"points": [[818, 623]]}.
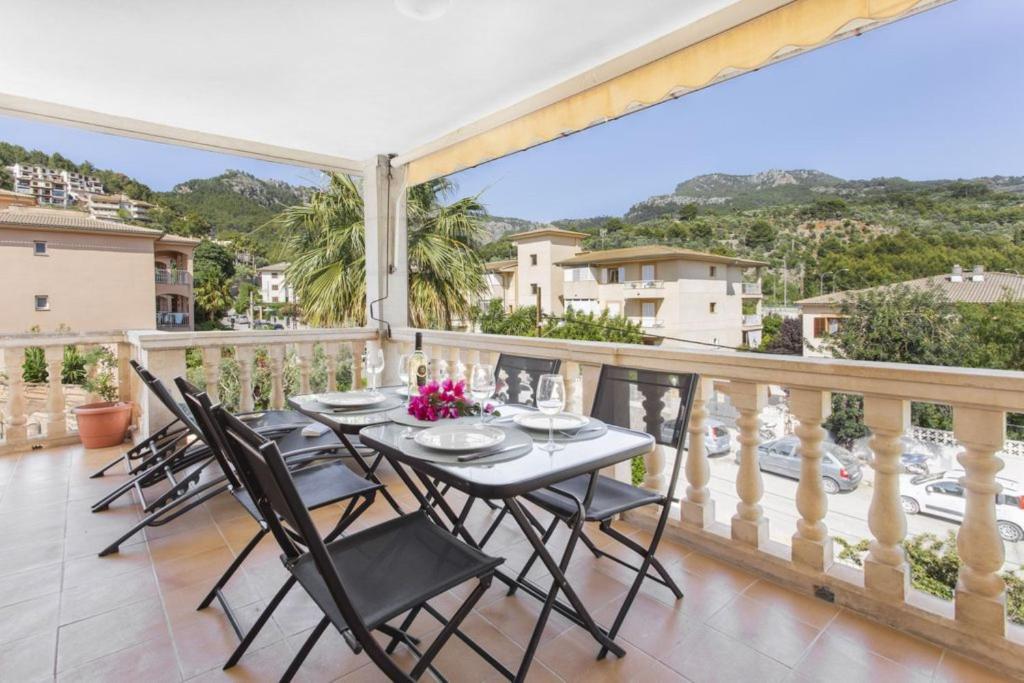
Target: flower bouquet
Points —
{"points": [[446, 399]]}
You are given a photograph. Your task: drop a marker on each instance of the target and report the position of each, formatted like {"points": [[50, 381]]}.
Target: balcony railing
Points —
{"points": [[752, 320], [647, 321], [974, 625], [166, 320], [644, 284], [752, 289], [172, 277]]}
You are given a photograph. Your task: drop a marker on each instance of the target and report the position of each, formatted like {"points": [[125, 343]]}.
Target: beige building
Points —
{"points": [[61, 269], [273, 287], [822, 315], [669, 291], [115, 207]]}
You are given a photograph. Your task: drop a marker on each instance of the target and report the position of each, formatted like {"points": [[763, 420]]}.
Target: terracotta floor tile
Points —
{"points": [[805, 608], [770, 632], [103, 634], [152, 661], [707, 655], [207, 640], [30, 583], [573, 657], [31, 556], [651, 625], [904, 649], [86, 570], [181, 604], [954, 669], [833, 659], [193, 569], [516, 617], [29, 617], [29, 660], [186, 544], [265, 664], [330, 659], [104, 596]]}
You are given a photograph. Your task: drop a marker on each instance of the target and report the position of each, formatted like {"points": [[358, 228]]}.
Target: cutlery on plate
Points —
{"points": [[469, 457]]}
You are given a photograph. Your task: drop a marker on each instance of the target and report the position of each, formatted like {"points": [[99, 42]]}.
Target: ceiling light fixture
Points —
{"points": [[423, 10]]}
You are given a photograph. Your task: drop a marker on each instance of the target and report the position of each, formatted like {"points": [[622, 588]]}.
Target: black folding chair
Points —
{"points": [[517, 377], [362, 581], [633, 399], [318, 485], [183, 468]]}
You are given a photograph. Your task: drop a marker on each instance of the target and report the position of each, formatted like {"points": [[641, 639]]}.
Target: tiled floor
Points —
{"points": [[69, 615]]}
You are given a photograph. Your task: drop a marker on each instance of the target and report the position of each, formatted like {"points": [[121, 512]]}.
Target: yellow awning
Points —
{"points": [[797, 26]]}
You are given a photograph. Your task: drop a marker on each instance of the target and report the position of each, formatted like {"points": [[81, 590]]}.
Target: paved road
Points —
{"points": [[847, 512]]}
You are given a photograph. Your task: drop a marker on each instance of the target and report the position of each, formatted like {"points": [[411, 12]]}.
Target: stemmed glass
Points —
{"points": [[442, 370], [481, 386], [403, 374], [551, 401], [374, 366]]}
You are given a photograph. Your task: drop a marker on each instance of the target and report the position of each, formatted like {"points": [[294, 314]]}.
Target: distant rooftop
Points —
{"points": [[547, 232], [972, 287], [68, 221], [274, 267], [500, 266], [653, 252]]}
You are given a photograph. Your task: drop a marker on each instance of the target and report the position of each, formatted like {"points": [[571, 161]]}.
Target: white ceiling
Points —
{"points": [[346, 78]]}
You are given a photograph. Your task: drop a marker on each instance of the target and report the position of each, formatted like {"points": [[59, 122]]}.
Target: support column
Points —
{"points": [[211, 372], [387, 269], [245, 355], [697, 507], [885, 568], [56, 420], [812, 546], [15, 420], [980, 596], [749, 525], [166, 364]]}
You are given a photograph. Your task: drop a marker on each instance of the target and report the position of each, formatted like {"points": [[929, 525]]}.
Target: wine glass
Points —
{"points": [[442, 370], [374, 366], [481, 385], [551, 401], [403, 373]]}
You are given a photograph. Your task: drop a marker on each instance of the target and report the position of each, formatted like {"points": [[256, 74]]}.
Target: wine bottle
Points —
{"points": [[419, 364]]}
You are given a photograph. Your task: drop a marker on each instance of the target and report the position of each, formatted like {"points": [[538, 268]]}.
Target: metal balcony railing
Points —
{"points": [[172, 277], [752, 319], [752, 288], [643, 284], [171, 321]]}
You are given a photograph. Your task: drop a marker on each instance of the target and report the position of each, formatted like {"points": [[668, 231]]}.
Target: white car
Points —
{"points": [[942, 495]]}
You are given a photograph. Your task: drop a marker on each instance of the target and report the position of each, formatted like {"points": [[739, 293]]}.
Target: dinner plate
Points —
{"points": [[563, 422], [351, 399], [402, 391], [462, 438]]}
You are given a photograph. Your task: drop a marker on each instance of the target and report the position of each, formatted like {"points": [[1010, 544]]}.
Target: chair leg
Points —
{"points": [[533, 558], [260, 621], [232, 568], [304, 651], [598, 553], [403, 628], [450, 627], [668, 581], [494, 527]]}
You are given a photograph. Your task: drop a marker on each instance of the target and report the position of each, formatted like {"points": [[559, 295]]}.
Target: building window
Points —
{"points": [[713, 271], [42, 302], [39, 248], [825, 325], [614, 275], [711, 307], [533, 288], [647, 272], [533, 259], [273, 287]]}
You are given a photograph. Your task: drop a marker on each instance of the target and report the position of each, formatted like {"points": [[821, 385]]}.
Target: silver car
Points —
{"points": [[716, 437], [840, 470]]}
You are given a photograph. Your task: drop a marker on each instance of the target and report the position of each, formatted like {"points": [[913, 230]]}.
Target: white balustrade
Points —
{"points": [[812, 546], [749, 525], [245, 355], [15, 419], [304, 353], [885, 568], [277, 357], [698, 509], [56, 419], [211, 371]]}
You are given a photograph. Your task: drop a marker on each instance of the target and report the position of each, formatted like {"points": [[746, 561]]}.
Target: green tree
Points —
{"points": [[687, 212], [6, 179], [760, 235], [247, 293], [825, 208], [213, 298], [213, 262], [328, 267], [997, 334]]}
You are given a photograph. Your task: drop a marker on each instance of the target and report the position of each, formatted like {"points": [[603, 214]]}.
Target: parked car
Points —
{"points": [[264, 325], [716, 437], [942, 495], [840, 469], [242, 320], [914, 463]]}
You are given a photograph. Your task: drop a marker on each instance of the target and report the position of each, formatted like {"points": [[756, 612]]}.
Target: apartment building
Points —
{"points": [[65, 270], [822, 315], [47, 185], [115, 207], [273, 287], [679, 294]]}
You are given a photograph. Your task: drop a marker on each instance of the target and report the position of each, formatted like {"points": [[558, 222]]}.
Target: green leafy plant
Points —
{"points": [[103, 380]]}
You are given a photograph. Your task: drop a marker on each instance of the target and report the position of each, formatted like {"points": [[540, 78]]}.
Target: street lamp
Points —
{"points": [[837, 273]]}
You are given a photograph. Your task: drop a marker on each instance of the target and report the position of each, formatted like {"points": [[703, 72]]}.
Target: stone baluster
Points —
{"points": [[56, 420], [589, 376], [357, 348], [276, 354], [573, 386], [812, 546], [331, 351], [15, 420], [749, 525], [655, 476], [456, 366], [697, 507], [211, 371], [91, 372], [304, 352], [125, 374], [885, 568], [980, 596], [245, 355], [473, 359]]}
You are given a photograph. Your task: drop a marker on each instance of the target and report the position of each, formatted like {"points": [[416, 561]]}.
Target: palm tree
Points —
{"points": [[328, 246], [213, 298]]}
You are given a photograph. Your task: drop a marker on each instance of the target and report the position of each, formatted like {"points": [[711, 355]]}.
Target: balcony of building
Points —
{"points": [[751, 320], [751, 290], [767, 594]]}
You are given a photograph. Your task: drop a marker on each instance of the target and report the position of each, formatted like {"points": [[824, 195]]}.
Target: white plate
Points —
{"points": [[351, 399], [456, 438], [402, 391], [563, 422]]}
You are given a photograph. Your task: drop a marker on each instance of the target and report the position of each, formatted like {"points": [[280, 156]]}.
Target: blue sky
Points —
{"points": [[939, 95]]}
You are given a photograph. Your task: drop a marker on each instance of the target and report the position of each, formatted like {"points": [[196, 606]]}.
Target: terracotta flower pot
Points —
{"points": [[103, 424]]}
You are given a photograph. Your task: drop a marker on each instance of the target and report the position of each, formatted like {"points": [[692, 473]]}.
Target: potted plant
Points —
{"points": [[105, 423]]}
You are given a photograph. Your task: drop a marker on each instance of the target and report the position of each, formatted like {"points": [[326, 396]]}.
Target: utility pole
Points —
{"points": [[539, 316], [785, 283]]}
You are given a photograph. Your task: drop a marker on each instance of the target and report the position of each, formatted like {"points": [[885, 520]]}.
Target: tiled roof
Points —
{"points": [[178, 239], [546, 232], [274, 266], [993, 288], [653, 252], [495, 266], [69, 221]]}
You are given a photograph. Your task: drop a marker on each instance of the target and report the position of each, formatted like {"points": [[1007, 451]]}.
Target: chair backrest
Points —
{"points": [[273, 490], [199, 404], [653, 401], [516, 377], [154, 384]]}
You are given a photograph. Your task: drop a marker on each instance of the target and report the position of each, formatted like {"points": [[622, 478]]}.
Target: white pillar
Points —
{"points": [[387, 281], [980, 596], [812, 546], [885, 568], [697, 507], [211, 371], [245, 355], [165, 364], [304, 351], [15, 420], [331, 351], [276, 354], [56, 420], [749, 525]]}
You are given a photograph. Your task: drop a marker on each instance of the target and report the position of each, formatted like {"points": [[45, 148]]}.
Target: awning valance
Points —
{"points": [[797, 26]]}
